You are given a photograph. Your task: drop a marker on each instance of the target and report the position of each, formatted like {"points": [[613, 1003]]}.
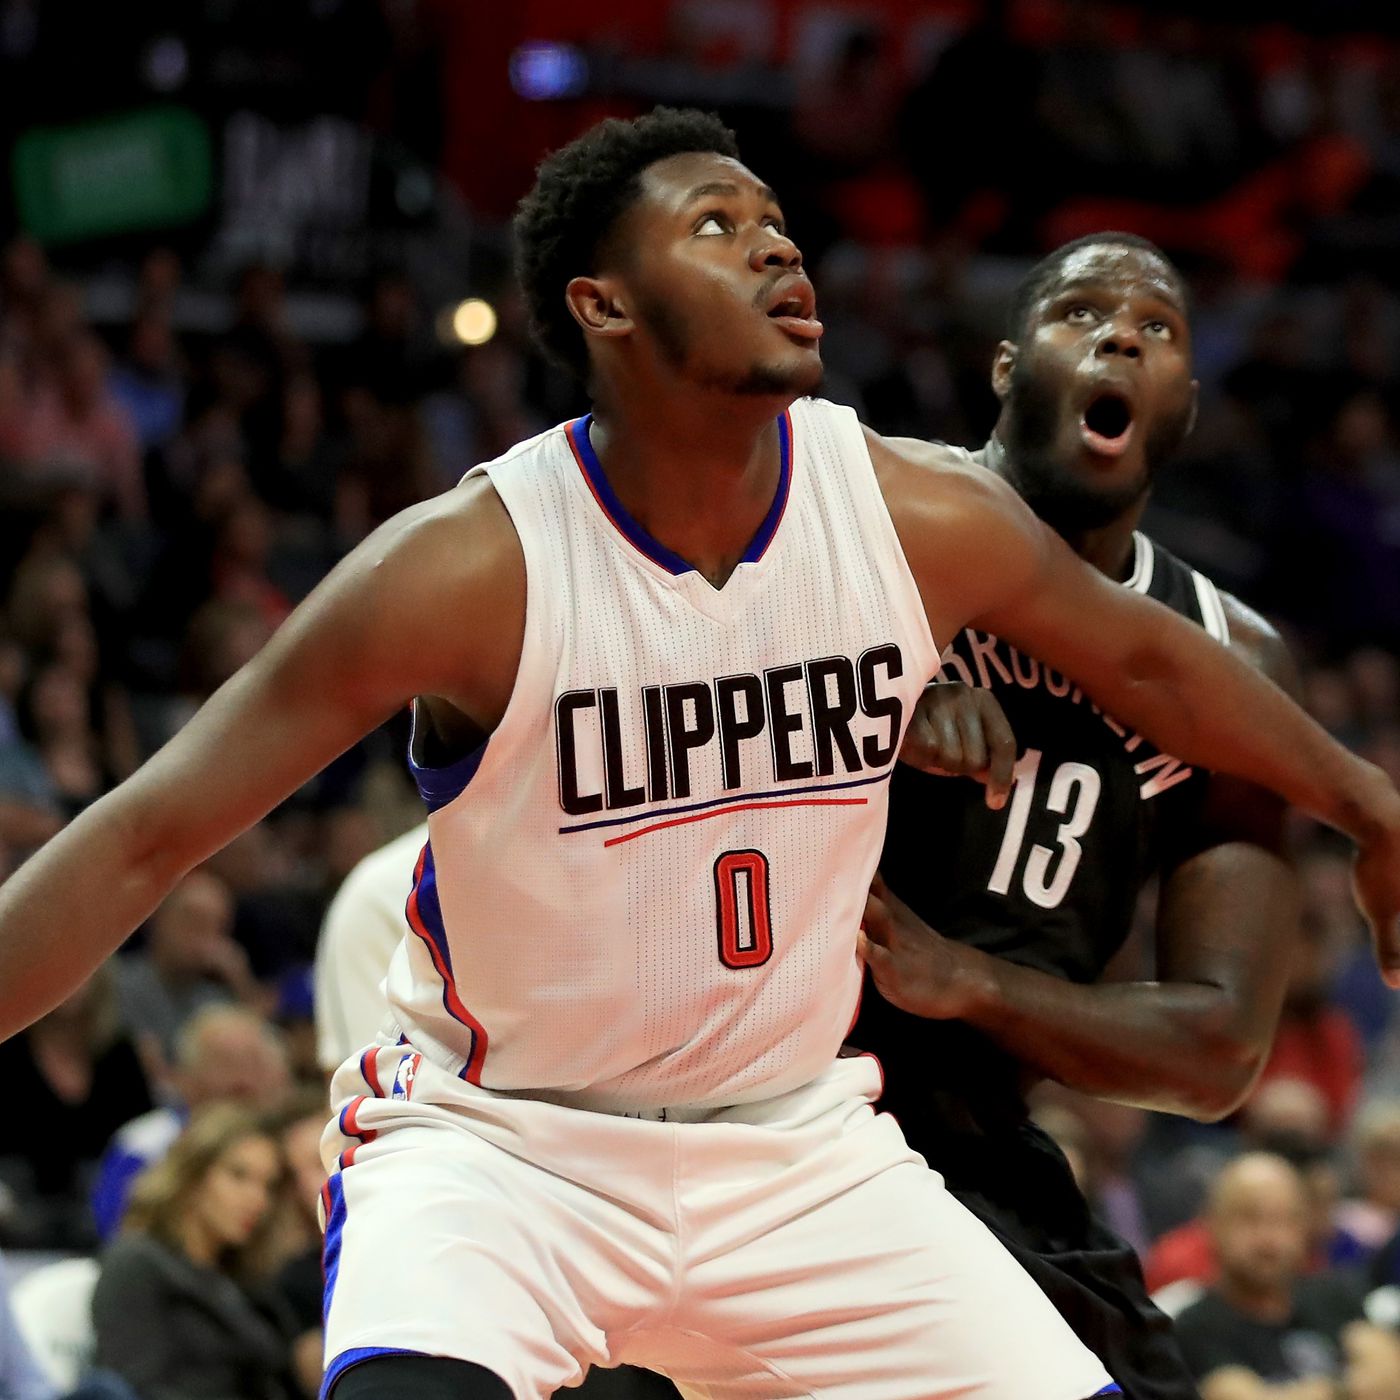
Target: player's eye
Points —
{"points": [[713, 223], [1079, 314], [776, 224], [1160, 329]]}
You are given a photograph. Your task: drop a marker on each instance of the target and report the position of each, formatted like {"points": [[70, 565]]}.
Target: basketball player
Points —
{"points": [[663, 658], [1032, 897]]}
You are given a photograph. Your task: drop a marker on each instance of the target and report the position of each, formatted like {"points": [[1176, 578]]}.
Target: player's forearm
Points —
{"points": [[1168, 679], [1171, 1047], [71, 904]]}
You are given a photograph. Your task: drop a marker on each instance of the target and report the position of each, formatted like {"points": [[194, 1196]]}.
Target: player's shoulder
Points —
{"points": [[935, 477], [462, 541], [919, 455], [1228, 618]]}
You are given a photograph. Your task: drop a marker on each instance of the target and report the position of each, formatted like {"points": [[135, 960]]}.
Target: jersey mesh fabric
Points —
{"points": [[685, 935]]}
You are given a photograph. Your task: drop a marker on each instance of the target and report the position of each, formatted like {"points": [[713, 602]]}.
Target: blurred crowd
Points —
{"points": [[168, 492]]}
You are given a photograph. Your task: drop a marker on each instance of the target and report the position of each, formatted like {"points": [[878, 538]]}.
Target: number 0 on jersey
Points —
{"points": [[743, 918]]}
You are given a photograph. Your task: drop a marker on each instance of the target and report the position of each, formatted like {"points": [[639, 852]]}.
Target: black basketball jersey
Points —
{"points": [[1050, 881]]}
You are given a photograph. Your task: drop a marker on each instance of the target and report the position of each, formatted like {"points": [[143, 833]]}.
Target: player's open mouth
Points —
{"points": [[1107, 425], [794, 313]]}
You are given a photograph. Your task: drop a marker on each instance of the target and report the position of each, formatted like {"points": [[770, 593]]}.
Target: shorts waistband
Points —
{"points": [[668, 1113]]}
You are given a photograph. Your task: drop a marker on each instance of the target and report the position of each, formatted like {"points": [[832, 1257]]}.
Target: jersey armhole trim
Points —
{"points": [[439, 786], [1213, 617]]}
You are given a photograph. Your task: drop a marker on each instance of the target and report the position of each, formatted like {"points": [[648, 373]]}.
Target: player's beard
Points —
{"points": [[673, 338], [1032, 426]]}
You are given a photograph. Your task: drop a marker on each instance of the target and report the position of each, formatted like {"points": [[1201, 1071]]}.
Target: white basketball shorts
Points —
{"points": [[791, 1248]]}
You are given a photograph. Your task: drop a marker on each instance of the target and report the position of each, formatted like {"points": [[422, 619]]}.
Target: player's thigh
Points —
{"points": [[890, 1290], [440, 1244]]}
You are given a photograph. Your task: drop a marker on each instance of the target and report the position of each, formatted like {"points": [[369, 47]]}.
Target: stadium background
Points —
{"points": [[255, 297]]}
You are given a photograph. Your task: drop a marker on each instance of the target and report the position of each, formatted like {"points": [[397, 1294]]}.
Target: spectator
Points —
{"points": [[1373, 1363], [47, 591], [299, 1277], [14, 409], [1263, 1322], [172, 1310], [24, 282], [1289, 1118], [300, 478], [1315, 1042], [149, 385], [190, 961], [71, 1079], [395, 357], [78, 429], [23, 1378], [56, 718], [224, 1055], [1365, 1222], [30, 808], [238, 569]]}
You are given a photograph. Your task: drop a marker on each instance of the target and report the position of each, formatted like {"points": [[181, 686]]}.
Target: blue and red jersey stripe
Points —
{"points": [[425, 919], [638, 536]]}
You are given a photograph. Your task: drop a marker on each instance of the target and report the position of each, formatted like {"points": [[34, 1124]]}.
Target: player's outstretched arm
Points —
{"points": [[431, 603], [1193, 1040], [982, 558]]}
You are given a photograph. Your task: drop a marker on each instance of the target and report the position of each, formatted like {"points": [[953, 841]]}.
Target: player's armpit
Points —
{"points": [[433, 601]]}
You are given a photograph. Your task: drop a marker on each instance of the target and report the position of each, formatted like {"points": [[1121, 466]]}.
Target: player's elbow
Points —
{"points": [[1228, 1059]]}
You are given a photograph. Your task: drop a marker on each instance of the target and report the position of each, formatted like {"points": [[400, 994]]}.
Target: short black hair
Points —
{"points": [[1035, 282], [580, 191]]}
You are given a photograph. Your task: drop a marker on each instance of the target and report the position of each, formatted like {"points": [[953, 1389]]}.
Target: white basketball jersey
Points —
{"points": [[643, 892]]}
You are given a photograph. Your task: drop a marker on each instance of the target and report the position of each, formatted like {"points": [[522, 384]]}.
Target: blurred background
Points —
{"points": [[255, 297]]}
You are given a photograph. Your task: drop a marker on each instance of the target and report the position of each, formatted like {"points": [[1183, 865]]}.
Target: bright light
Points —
{"points": [[545, 72], [474, 321]]}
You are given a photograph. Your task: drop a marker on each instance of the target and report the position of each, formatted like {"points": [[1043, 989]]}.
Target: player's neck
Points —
{"points": [[1109, 548], [699, 476]]}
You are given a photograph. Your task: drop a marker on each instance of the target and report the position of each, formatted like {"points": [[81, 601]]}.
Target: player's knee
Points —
{"points": [[419, 1378]]}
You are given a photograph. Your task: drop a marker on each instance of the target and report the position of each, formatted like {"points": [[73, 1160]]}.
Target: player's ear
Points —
{"points": [[1195, 407], [1002, 366], [596, 304]]}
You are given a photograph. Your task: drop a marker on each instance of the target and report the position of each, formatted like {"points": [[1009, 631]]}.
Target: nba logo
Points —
{"points": [[403, 1076]]}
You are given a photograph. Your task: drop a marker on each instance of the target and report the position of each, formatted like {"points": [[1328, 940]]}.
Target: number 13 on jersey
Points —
{"points": [[743, 915], [1074, 794]]}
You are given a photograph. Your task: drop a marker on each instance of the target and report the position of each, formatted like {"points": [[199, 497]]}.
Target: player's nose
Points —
{"points": [[774, 249], [1119, 337]]}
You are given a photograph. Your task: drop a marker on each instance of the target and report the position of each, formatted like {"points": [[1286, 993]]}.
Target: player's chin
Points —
{"points": [[1111, 470], [788, 377]]}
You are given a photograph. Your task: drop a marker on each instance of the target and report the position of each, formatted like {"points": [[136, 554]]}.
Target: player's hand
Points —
{"points": [[914, 967], [959, 731], [1376, 883]]}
